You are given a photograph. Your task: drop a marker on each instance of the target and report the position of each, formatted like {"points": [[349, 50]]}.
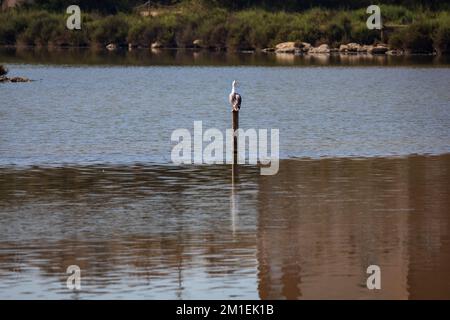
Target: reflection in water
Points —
{"points": [[152, 232], [139, 57], [322, 223], [234, 198], [173, 232]]}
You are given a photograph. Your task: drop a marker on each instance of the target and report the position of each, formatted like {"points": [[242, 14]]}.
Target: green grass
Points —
{"points": [[423, 30]]}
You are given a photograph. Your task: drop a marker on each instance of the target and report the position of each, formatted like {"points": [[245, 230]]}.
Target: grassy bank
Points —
{"points": [[419, 30]]}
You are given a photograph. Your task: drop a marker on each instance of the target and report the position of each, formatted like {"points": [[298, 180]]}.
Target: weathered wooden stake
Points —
{"points": [[234, 169], [235, 138], [235, 126]]}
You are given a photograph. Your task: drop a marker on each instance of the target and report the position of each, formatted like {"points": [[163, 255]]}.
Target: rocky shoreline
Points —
{"points": [[4, 78], [14, 79], [292, 47], [300, 48], [289, 47]]}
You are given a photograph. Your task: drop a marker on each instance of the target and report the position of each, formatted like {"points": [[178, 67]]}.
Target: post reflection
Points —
{"points": [[169, 232]]}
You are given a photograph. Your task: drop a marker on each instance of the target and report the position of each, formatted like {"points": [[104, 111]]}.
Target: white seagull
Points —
{"points": [[235, 98]]}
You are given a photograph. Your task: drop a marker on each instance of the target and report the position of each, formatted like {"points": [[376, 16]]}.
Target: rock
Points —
{"points": [[197, 43], [156, 45], [19, 79], [320, 49], [305, 46], [290, 47], [365, 48], [3, 70], [14, 79], [4, 78], [353, 47], [395, 52], [378, 50], [111, 47], [343, 48], [268, 50], [286, 47]]}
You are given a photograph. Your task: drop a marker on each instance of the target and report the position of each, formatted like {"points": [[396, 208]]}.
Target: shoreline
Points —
{"points": [[272, 51]]}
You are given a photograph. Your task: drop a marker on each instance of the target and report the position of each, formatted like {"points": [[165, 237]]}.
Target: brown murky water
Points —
{"points": [[85, 177], [187, 232]]}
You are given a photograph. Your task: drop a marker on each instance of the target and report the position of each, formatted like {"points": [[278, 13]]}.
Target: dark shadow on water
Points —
{"points": [[169, 57]]}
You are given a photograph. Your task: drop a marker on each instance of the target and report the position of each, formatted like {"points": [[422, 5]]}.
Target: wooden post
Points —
{"points": [[235, 126], [234, 170], [235, 138]]}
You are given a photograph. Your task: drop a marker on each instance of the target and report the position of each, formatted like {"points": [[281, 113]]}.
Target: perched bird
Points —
{"points": [[235, 98]]}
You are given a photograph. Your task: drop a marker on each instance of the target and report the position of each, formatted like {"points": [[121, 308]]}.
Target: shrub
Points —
{"points": [[396, 40], [339, 30], [239, 35], [41, 28], [217, 37], [64, 37], [11, 27], [111, 29], [397, 14], [417, 38], [442, 39], [136, 32]]}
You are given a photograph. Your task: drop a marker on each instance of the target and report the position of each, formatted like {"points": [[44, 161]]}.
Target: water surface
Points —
{"points": [[86, 177], [124, 115], [171, 232]]}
